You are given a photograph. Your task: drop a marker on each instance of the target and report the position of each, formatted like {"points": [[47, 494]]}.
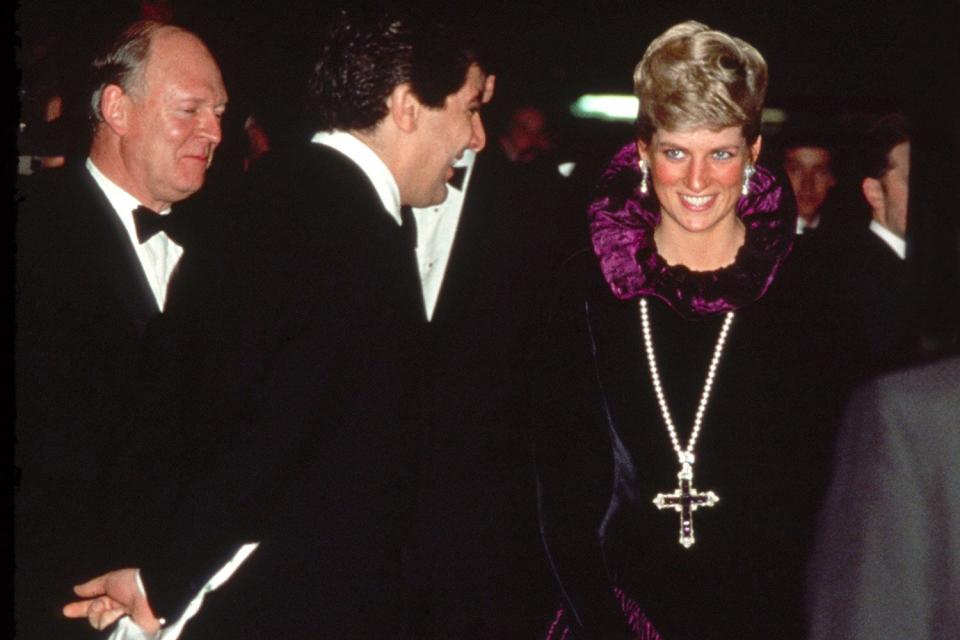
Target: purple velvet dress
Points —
{"points": [[603, 450], [561, 627]]}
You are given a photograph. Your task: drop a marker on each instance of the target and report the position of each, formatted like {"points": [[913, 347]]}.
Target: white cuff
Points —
{"points": [[127, 629]]}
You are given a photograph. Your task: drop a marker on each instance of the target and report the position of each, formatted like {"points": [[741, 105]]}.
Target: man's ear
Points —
{"points": [[115, 108], [873, 192], [489, 86], [404, 108]]}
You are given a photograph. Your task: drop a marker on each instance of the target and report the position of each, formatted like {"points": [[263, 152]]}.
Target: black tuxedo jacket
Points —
{"points": [[292, 425], [82, 306], [879, 303], [473, 563], [857, 303]]}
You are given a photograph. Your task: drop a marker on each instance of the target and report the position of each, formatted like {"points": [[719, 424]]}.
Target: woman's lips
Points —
{"points": [[697, 203]]}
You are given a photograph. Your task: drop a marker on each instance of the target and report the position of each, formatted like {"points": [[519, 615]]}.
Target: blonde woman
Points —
{"points": [[672, 456]]}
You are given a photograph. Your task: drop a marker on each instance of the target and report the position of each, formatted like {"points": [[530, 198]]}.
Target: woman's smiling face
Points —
{"points": [[697, 174]]}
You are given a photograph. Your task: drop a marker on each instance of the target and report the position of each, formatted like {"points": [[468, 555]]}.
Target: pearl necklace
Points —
{"points": [[686, 499]]}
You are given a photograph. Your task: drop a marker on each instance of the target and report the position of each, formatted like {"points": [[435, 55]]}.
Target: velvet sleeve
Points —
{"points": [[575, 467]]}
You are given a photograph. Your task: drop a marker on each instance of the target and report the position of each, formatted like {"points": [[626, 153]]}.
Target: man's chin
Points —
{"points": [[185, 190], [437, 198]]}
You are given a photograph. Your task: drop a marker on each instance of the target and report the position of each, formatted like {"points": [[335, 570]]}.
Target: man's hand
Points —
{"points": [[111, 596]]}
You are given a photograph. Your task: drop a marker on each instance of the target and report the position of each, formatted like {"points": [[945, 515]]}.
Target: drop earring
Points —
{"points": [[747, 173], [644, 178]]}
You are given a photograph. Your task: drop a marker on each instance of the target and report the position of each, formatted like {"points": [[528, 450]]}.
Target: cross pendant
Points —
{"points": [[685, 500]]}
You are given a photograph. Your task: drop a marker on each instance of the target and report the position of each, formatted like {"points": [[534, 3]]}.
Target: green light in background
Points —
{"points": [[774, 116], [610, 106], [623, 108]]}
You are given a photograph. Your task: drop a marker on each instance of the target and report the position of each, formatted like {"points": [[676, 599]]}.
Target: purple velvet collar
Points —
{"points": [[621, 227]]}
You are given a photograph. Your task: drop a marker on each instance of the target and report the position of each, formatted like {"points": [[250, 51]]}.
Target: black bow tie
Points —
{"points": [[149, 223], [459, 173]]}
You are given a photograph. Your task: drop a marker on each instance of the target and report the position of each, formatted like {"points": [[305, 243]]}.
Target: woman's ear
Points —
{"points": [[643, 151], [755, 149]]}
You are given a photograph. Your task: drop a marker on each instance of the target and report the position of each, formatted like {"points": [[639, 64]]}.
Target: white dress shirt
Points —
{"points": [[158, 255], [436, 230], [803, 224], [895, 242]]}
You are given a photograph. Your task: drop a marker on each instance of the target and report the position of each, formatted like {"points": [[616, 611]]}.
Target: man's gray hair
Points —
{"points": [[123, 63]]}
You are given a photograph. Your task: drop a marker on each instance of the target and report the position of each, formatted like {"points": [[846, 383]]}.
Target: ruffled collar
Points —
{"points": [[622, 222]]}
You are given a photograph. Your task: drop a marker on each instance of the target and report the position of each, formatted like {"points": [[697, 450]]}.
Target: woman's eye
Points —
{"points": [[673, 154], [722, 155]]}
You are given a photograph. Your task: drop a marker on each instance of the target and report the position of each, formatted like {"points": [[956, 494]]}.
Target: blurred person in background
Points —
{"points": [[860, 273], [887, 560], [807, 161]]}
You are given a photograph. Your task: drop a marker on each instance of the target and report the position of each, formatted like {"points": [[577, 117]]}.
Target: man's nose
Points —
{"points": [[478, 138], [210, 128]]}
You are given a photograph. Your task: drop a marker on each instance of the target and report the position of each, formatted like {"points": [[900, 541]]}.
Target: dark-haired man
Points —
{"points": [[811, 176], [856, 287], [304, 439], [808, 158], [90, 278], [876, 298], [859, 275]]}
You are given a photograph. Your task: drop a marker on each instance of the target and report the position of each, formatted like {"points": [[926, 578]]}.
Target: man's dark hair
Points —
{"points": [[880, 137], [808, 130], [365, 55]]}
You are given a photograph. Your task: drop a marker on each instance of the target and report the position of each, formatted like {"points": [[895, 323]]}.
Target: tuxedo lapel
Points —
{"points": [[471, 245], [115, 257], [461, 274]]}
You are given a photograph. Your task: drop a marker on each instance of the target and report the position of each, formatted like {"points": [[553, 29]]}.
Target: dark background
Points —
{"points": [[854, 54]]}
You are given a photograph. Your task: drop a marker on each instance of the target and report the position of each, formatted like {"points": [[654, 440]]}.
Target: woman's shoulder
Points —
{"points": [[577, 280], [580, 275], [581, 296]]}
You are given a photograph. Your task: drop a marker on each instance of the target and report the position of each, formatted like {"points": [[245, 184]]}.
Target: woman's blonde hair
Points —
{"points": [[692, 76]]}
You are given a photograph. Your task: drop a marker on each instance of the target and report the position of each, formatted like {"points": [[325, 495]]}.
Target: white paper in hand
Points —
{"points": [[126, 629]]}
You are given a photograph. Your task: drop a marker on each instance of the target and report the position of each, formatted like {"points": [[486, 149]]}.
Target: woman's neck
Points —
{"points": [[706, 250]]}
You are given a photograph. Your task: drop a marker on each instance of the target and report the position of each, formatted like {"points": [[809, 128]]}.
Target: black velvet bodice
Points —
{"points": [[743, 576]]}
